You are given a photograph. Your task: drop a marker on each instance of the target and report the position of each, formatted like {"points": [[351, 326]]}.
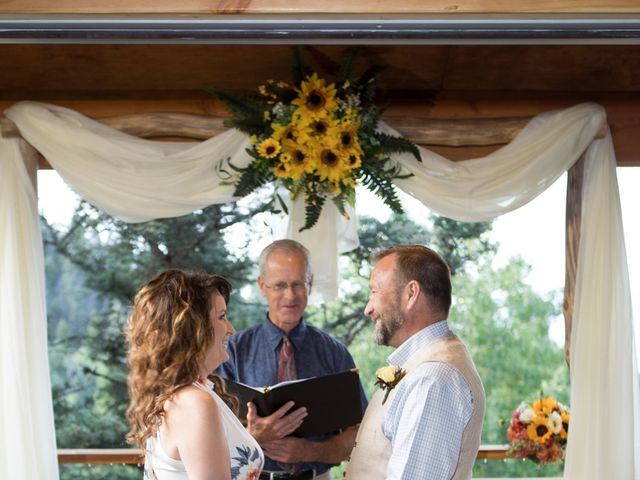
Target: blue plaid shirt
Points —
{"points": [[253, 360], [428, 414]]}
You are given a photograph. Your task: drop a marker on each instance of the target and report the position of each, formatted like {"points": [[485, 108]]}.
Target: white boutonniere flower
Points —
{"points": [[388, 377]]}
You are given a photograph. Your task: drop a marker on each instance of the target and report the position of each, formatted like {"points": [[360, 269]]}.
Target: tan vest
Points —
{"points": [[372, 450]]}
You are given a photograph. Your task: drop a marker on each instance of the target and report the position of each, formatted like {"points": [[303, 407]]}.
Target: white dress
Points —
{"points": [[247, 458]]}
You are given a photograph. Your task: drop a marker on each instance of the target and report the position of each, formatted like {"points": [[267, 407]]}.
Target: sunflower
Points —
{"points": [[299, 164], [285, 133], [346, 135], [544, 405], [315, 97], [354, 161], [319, 127], [269, 148], [565, 425], [282, 170], [330, 164], [539, 430]]}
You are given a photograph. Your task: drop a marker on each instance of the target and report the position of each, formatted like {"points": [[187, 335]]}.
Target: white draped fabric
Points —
{"points": [[139, 180], [27, 434]]}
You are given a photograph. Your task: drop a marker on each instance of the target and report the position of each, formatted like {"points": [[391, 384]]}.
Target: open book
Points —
{"points": [[332, 401]]}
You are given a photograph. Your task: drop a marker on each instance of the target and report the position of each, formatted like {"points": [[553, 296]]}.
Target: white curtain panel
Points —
{"points": [[139, 180], [27, 432]]}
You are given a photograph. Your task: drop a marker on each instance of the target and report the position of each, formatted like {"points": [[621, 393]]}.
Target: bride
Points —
{"points": [[179, 414]]}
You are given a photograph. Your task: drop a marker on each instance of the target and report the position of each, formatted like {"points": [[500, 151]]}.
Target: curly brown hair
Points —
{"points": [[169, 332]]}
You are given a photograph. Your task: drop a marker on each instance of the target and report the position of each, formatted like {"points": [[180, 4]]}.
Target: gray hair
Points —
{"points": [[285, 246]]}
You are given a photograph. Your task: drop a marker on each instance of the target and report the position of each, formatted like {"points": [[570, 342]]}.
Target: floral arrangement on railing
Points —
{"points": [[538, 431], [316, 139]]}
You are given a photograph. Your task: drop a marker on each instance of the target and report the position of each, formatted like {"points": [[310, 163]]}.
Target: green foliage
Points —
{"points": [[502, 320], [94, 269], [299, 65], [388, 144], [92, 273], [460, 241], [316, 138], [243, 106], [506, 326], [380, 185], [253, 176]]}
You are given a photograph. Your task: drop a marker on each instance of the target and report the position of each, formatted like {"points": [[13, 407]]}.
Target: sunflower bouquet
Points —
{"points": [[538, 431], [316, 139]]}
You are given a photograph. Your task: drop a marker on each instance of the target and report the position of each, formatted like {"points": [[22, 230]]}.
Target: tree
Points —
{"points": [[93, 271], [465, 242], [503, 321], [95, 267]]}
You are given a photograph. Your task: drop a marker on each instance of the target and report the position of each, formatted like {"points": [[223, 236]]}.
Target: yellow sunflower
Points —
{"points": [[319, 127], [353, 161], [300, 163], [544, 405], [330, 164], [315, 97], [345, 136], [269, 148], [285, 133], [565, 425], [282, 170], [539, 430]]}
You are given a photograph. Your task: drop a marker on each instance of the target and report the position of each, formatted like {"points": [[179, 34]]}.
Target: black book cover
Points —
{"points": [[332, 401]]}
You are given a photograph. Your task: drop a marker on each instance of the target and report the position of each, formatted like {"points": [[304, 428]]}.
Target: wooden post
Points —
{"points": [[31, 159], [575, 178]]}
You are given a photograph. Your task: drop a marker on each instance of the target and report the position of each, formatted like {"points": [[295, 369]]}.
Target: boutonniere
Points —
{"points": [[388, 377]]}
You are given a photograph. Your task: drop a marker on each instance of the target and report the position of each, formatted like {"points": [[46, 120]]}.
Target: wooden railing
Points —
{"points": [[94, 456]]}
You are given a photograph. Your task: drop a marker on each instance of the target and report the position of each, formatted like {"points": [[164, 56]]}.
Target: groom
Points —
{"points": [[429, 425]]}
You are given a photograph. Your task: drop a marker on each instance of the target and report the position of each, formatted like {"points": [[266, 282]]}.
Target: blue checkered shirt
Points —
{"points": [[428, 414]]}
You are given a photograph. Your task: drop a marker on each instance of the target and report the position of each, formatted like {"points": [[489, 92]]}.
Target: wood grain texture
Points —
{"points": [[183, 71], [621, 112], [94, 456], [573, 216], [313, 6]]}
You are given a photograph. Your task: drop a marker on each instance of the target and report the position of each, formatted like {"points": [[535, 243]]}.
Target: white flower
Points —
{"points": [[527, 415], [555, 421]]}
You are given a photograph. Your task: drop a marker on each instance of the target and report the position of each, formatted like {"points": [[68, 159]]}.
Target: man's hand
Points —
{"points": [[288, 450], [294, 450], [277, 425]]}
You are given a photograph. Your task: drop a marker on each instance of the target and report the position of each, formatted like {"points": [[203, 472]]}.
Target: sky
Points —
{"points": [[535, 231]]}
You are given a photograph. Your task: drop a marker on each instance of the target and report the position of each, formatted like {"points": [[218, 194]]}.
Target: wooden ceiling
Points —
{"points": [[183, 71], [430, 81], [106, 73]]}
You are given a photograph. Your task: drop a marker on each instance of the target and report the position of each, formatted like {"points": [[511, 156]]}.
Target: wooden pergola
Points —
{"points": [[460, 79]]}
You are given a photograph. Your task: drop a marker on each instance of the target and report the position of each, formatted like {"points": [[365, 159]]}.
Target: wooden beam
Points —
{"points": [[413, 7], [132, 456], [456, 132], [575, 178]]}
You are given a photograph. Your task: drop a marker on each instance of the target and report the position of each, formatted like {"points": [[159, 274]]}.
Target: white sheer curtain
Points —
{"points": [[27, 435], [139, 180]]}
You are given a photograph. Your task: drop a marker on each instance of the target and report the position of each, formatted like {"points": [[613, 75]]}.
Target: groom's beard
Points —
{"points": [[388, 323]]}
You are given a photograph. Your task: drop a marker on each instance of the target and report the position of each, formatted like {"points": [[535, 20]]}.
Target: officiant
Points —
{"points": [[283, 347]]}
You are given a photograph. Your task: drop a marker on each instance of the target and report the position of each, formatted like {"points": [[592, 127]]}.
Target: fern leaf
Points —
{"points": [[300, 67], [240, 105], [346, 69], [312, 209], [254, 176], [382, 187], [390, 144]]}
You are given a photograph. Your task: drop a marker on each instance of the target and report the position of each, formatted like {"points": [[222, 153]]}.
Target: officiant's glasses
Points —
{"points": [[281, 287]]}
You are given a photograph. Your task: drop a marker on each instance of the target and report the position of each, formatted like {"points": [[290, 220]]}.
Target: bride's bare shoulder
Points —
{"points": [[191, 401]]}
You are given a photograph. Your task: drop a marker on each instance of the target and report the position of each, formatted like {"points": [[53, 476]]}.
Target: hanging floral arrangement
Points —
{"points": [[316, 139]]}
